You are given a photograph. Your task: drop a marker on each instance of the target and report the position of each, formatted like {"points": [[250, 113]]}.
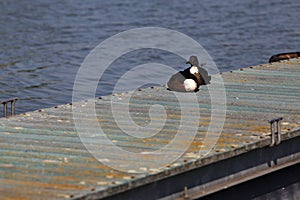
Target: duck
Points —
{"points": [[190, 79]]}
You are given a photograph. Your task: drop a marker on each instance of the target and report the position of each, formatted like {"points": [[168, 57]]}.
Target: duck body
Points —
{"points": [[190, 79]]}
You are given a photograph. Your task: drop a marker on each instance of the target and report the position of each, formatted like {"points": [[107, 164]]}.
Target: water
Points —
{"points": [[43, 43]]}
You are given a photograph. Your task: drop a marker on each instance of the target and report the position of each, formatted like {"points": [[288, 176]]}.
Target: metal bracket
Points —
{"points": [[12, 106], [186, 195], [275, 130]]}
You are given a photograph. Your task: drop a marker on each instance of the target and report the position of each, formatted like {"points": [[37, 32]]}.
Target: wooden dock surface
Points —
{"points": [[42, 156]]}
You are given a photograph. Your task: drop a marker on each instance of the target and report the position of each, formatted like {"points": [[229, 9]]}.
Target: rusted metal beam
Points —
{"points": [[289, 155]]}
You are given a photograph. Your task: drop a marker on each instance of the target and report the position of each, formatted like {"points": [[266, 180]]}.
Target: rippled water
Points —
{"points": [[44, 42]]}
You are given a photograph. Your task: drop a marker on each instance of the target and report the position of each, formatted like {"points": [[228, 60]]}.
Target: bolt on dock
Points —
{"points": [[43, 157]]}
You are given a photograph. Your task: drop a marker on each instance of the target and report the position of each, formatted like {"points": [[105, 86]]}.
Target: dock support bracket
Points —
{"points": [[12, 106], [275, 129]]}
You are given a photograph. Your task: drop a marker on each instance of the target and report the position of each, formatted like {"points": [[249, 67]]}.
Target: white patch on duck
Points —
{"points": [[189, 85], [194, 70]]}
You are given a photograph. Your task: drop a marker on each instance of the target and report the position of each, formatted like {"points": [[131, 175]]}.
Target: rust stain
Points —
{"points": [[260, 129], [43, 184]]}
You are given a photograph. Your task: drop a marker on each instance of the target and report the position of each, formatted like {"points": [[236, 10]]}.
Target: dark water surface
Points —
{"points": [[42, 43]]}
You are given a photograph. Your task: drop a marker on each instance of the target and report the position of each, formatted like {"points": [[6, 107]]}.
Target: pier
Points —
{"points": [[42, 156]]}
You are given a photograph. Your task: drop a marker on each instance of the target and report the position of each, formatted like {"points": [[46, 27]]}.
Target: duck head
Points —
{"points": [[193, 61]]}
